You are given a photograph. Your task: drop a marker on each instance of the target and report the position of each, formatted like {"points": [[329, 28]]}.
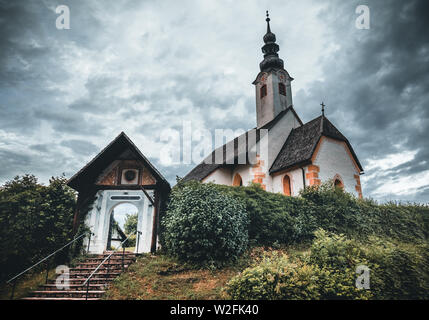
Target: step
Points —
{"points": [[84, 276], [58, 299], [99, 271], [81, 280], [98, 284], [68, 293], [74, 287], [102, 269], [112, 261], [111, 258]]}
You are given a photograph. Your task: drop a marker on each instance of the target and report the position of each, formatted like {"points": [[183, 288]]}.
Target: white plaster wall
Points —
{"points": [[273, 103], [220, 176], [296, 182], [245, 172], [333, 159], [98, 219], [278, 134]]}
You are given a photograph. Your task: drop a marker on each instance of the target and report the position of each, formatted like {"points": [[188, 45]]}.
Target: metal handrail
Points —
{"points": [[44, 259], [87, 281]]}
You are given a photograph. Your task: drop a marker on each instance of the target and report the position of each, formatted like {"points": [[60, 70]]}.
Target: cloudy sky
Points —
{"points": [[146, 66]]}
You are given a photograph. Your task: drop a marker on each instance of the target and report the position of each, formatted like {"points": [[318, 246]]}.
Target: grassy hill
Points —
{"points": [[159, 277]]}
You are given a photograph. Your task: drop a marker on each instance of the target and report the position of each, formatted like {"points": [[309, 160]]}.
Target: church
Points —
{"points": [[282, 154]]}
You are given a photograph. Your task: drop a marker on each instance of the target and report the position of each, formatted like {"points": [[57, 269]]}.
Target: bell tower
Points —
{"points": [[273, 83]]}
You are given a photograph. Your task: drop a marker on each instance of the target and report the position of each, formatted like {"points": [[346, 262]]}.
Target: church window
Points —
{"points": [[263, 91], [282, 89], [286, 186], [338, 183], [237, 181]]}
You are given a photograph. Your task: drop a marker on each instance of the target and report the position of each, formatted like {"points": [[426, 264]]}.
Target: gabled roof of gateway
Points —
{"points": [[302, 141], [87, 176], [204, 169]]}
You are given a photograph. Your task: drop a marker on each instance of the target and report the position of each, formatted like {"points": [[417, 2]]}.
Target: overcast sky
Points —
{"points": [[144, 66]]}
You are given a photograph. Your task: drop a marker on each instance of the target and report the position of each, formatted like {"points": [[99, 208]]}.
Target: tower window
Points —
{"points": [[263, 91], [282, 89]]}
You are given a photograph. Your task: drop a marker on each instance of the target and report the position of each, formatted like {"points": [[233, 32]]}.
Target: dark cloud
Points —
{"points": [[145, 66], [80, 146], [378, 81]]}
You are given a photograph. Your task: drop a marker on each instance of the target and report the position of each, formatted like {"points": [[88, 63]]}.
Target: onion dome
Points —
{"points": [[269, 49]]}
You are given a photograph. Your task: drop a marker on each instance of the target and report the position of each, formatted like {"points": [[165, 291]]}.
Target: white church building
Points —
{"points": [[282, 153]]}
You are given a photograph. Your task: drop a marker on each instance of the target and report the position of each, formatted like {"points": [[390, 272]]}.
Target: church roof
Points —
{"points": [[120, 147], [204, 169], [302, 141]]}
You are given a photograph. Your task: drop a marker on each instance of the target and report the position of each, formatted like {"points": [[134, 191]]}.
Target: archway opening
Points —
{"points": [[286, 186], [338, 184], [123, 224], [237, 181]]}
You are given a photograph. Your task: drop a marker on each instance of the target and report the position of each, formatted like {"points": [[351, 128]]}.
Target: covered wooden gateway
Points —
{"points": [[119, 174]]}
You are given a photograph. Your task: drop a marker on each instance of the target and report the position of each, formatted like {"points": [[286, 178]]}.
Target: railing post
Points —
{"points": [[138, 240], [13, 290], [123, 254], [87, 289], [47, 272], [89, 241]]}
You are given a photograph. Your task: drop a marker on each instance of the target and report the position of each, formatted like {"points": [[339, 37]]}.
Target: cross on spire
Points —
{"points": [[323, 108], [268, 22]]}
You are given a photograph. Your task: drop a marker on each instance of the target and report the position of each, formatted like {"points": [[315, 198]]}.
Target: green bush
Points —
{"points": [[35, 220], [278, 218], [397, 271], [204, 226], [278, 278], [402, 269]]}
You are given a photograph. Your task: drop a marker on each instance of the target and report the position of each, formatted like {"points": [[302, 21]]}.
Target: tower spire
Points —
{"points": [[273, 89], [269, 49], [268, 22]]}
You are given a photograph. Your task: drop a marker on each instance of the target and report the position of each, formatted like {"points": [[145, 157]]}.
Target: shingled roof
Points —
{"points": [[302, 141], [88, 174], [206, 167]]}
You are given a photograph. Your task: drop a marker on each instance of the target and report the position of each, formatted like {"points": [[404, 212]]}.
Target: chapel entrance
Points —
{"points": [[123, 225]]}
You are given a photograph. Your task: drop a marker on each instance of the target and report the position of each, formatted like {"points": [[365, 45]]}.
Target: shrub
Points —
{"points": [[35, 220], [273, 217], [402, 270], [203, 225], [278, 218], [278, 278], [397, 271]]}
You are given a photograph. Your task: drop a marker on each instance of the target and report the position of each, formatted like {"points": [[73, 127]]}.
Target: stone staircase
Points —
{"points": [[97, 285]]}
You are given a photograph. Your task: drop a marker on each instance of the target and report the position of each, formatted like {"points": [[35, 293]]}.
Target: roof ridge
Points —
{"points": [[135, 149]]}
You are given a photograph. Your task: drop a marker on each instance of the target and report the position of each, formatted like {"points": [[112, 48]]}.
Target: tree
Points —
{"points": [[35, 221]]}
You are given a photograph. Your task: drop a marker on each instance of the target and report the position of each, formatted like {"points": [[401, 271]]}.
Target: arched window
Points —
{"points": [[282, 89], [286, 185], [237, 181], [263, 91], [338, 183]]}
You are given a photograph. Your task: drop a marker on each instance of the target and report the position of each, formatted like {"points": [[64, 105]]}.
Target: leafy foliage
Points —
{"points": [[204, 226], [278, 277], [397, 271], [275, 218], [130, 224], [35, 220]]}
